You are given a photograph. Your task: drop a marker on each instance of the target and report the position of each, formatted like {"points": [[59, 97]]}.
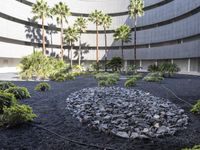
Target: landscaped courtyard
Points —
{"points": [[53, 116]]}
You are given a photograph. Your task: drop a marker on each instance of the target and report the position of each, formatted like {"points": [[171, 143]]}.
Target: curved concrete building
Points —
{"points": [[168, 31]]}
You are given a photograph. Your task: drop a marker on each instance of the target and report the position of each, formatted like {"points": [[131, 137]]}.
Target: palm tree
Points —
{"points": [[80, 25], [71, 36], [41, 11], [61, 11], [123, 33], [96, 17], [135, 9], [106, 22]]}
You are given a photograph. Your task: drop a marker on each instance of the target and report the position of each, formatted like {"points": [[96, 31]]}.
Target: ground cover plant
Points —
{"points": [[195, 147], [196, 108], [106, 79], [11, 112], [153, 77], [6, 85], [19, 92], [42, 87]]}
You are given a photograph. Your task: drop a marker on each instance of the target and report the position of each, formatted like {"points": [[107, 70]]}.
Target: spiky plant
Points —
{"points": [[61, 11], [136, 9], [41, 11], [81, 26]]}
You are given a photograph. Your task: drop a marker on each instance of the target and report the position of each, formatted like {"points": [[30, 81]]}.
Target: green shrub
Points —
{"points": [[196, 147], [42, 87], [19, 92], [6, 100], [70, 76], [136, 76], [106, 79], [6, 85], [17, 114], [153, 77], [153, 68], [196, 108], [168, 69], [115, 64], [40, 66], [130, 82]]}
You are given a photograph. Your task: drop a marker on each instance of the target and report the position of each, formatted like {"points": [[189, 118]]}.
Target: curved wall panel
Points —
{"points": [[169, 29]]}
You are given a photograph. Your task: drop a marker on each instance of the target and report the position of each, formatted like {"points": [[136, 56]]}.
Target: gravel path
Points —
{"points": [[50, 108]]}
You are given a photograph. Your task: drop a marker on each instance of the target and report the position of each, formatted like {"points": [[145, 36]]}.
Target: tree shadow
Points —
{"points": [[34, 34]]}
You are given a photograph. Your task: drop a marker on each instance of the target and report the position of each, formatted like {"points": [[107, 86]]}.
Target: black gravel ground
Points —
{"points": [[50, 108]]}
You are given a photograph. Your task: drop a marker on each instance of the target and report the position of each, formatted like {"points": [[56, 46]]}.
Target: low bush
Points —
{"points": [[19, 92], [17, 114], [6, 85], [137, 76], [130, 82], [42, 87], [153, 77], [107, 82], [115, 64], [70, 76], [168, 69], [107, 79], [6, 100], [196, 147], [153, 68], [196, 108], [40, 66]]}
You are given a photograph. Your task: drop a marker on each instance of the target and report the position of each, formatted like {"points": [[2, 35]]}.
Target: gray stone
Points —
{"points": [[122, 134]]}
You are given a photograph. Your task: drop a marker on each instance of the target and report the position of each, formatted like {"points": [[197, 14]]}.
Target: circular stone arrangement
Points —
{"points": [[127, 113]]}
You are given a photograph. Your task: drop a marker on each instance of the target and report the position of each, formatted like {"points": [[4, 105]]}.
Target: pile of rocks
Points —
{"points": [[128, 113]]}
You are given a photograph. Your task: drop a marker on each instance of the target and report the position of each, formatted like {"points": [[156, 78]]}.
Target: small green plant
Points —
{"points": [[130, 82], [42, 87], [153, 68], [153, 77], [19, 92], [6, 100], [70, 76], [195, 147], [6, 85], [196, 108], [137, 76], [168, 69], [107, 79], [115, 64], [17, 114]]}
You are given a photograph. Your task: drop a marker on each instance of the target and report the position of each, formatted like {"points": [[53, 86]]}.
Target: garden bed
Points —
{"points": [[52, 114]]}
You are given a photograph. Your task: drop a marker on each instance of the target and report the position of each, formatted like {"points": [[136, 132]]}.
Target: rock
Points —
{"points": [[134, 135], [162, 130], [157, 125], [128, 113], [122, 134]]}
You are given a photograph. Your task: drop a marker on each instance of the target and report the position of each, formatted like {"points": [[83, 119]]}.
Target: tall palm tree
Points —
{"points": [[123, 33], [96, 17], [80, 25], [41, 11], [106, 22], [61, 11], [136, 9], [71, 36]]}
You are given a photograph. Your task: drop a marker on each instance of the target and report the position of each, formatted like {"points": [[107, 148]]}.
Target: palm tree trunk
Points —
{"points": [[61, 39], [71, 61], [79, 52], [106, 50], [135, 50], [43, 37], [97, 44]]}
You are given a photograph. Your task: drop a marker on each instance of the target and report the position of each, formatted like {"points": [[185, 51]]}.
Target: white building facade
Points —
{"points": [[168, 31]]}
